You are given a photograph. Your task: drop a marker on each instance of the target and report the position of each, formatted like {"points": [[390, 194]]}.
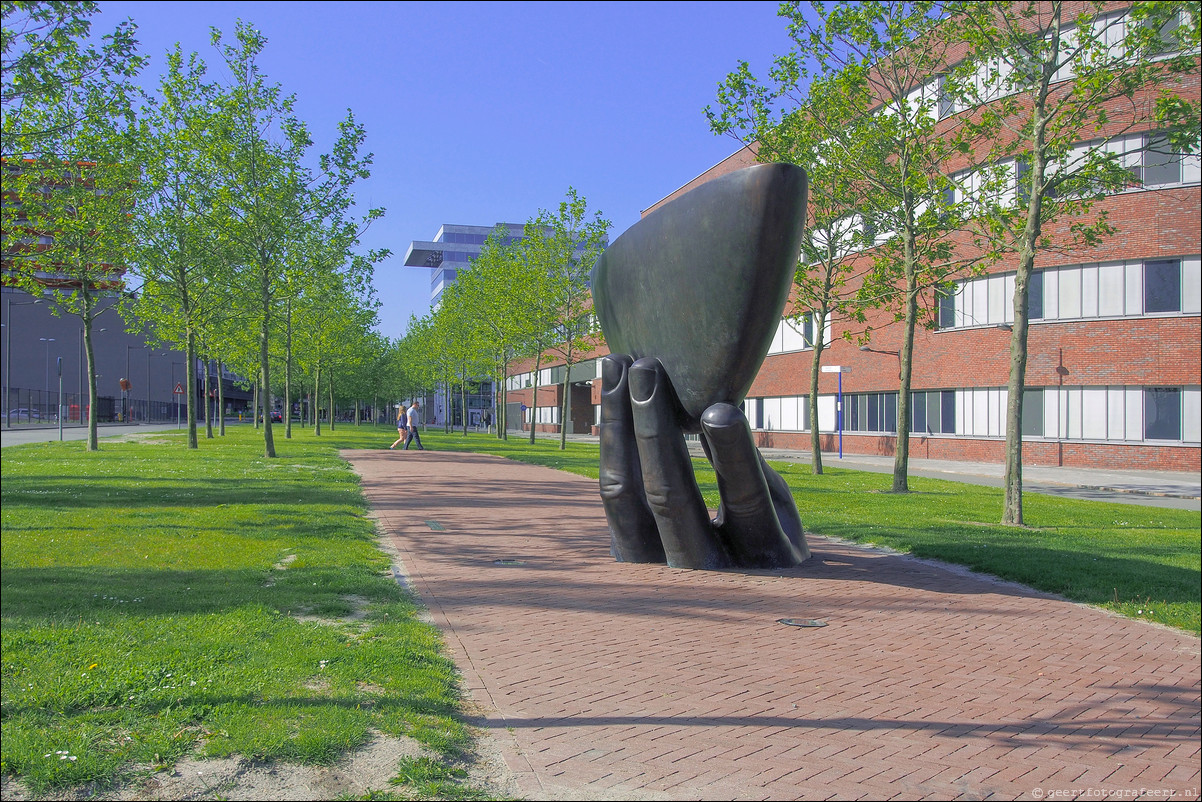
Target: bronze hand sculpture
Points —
{"points": [[689, 299]]}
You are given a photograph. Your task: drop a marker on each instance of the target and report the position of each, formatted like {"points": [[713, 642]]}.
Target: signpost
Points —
{"points": [[125, 386], [839, 401], [179, 390]]}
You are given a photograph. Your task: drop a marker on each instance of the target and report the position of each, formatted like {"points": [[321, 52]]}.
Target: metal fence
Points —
{"points": [[27, 407]]}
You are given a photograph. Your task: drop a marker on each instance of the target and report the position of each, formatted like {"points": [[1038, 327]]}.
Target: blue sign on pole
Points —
{"points": [[838, 401]]}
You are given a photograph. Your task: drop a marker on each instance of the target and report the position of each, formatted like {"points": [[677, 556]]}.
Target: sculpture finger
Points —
{"points": [[688, 536], [786, 509], [747, 517], [631, 524]]}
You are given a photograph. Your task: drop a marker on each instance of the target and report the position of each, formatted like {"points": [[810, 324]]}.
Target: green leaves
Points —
{"points": [[53, 80]]}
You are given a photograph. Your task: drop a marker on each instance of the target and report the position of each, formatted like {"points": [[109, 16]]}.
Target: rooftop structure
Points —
{"points": [[453, 248]]}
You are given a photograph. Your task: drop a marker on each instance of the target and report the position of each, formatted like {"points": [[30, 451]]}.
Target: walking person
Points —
{"points": [[402, 425], [413, 421]]}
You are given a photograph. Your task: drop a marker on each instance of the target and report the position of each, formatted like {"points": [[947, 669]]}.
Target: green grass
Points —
{"points": [[158, 601]]}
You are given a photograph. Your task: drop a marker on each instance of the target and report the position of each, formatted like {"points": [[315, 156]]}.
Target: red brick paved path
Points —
{"points": [[602, 680]]}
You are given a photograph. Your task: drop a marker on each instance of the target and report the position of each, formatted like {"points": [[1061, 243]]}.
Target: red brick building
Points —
{"points": [[1113, 376]]}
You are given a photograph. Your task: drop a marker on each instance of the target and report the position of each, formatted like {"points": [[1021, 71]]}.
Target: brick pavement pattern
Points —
{"points": [[602, 680]]}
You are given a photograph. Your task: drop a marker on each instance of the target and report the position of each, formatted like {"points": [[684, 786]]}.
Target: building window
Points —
{"points": [[1113, 289], [1161, 166], [543, 415], [781, 414], [797, 335], [1033, 412], [1162, 286], [870, 412], [1035, 295], [947, 309], [933, 412], [1162, 413]]}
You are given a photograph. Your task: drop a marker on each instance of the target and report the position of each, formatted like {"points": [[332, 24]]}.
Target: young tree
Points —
{"points": [[67, 228], [332, 323], [323, 283], [266, 195], [861, 77], [183, 287], [1054, 91], [413, 372], [826, 278], [560, 249], [493, 289]]}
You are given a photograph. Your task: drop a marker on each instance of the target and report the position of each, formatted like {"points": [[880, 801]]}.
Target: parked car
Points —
{"points": [[277, 417], [28, 414]]}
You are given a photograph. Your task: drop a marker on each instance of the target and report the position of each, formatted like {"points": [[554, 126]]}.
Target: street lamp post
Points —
{"points": [[840, 369], [60, 399], [8, 350], [46, 340], [149, 402]]}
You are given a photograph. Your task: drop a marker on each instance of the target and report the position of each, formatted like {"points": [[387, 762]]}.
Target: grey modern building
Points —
{"points": [[454, 248], [43, 353]]}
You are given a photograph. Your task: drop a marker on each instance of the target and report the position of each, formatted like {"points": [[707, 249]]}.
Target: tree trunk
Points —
{"points": [[288, 375], [534, 398], [1012, 481], [815, 372], [190, 387], [503, 411], [220, 399], [316, 395], [1012, 508], [208, 403], [565, 405], [901, 459], [330, 389], [265, 368], [93, 439], [463, 401]]}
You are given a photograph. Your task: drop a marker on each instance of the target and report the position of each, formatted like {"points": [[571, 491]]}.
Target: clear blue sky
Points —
{"points": [[480, 113]]}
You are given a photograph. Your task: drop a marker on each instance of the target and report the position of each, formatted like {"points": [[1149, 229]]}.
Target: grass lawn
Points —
{"points": [[156, 598], [157, 601]]}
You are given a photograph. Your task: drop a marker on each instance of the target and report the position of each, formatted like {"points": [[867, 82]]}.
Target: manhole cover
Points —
{"points": [[435, 525], [801, 622], [509, 562]]}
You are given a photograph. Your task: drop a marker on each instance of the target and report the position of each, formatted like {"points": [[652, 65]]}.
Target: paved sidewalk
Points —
{"points": [[1097, 484], [600, 680]]}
